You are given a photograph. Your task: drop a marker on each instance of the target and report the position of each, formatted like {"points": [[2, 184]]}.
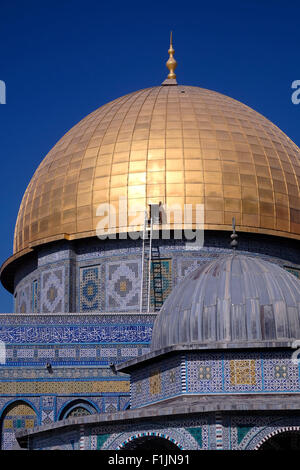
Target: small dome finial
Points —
{"points": [[233, 236], [171, 63]]}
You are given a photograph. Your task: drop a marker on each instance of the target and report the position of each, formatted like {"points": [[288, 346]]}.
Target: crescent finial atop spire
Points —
{"points": [[171, 65]]}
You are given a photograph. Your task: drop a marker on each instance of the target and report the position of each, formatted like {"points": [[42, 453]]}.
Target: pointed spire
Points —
{"points": [[233, 236], [171, 65]]}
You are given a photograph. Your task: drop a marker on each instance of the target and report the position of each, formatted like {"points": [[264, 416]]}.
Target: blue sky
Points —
{"points": [[62, 59]]}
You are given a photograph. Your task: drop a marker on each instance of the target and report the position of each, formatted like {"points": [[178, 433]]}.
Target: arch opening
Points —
{"points": [[285, 440], [77, 408], [18, 415], [151, 443]]}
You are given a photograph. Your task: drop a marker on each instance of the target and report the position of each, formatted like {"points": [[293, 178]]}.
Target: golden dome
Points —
{"points": [[169, 144]]}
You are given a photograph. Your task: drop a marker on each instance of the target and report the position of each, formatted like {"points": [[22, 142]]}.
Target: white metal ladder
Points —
{"points": [[146, 276]]}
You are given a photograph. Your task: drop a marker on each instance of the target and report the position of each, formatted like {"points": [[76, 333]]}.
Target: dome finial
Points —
{"points": [[171, 63], [233, 236]]}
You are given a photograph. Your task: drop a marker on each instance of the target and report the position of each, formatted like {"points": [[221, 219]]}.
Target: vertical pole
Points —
{"points": [[143, 262], [81, 439], [149, 267]]}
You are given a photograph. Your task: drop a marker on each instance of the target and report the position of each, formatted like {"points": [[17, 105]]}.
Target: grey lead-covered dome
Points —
{"points": [[234, 299]]}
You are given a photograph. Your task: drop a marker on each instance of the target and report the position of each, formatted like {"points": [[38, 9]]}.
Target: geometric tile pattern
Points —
{"points": [[34, 296], [204, 375], [181, 437], [23, 299], [18, 416], [210, 373], [47, 416], [111, 404], [182, 261], [248, 432], [151, 384], [89, 289], [65, 339], [281, 371], [123, 283], [66, 387], [48, 409], [53, 290], [186, 432], [155, 382], [242, 372], [280, 374], [212, 431], [165, 277]]}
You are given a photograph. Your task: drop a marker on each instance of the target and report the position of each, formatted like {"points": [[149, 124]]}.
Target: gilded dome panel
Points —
{"points": [[168, 144]]}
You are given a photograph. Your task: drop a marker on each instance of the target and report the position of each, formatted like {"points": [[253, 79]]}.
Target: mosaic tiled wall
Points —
{"points": [[80, 348], [23, 299], [166, 279], [15, 417], [35, 296], [106, 277], [249, 432], [209, 431], [156, 382], [123, 283], [90, 289], [261, 372], [215, 373], [53, 290]]}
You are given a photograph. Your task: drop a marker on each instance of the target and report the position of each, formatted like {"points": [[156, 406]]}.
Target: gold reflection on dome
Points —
{"points": [[168, 144]]}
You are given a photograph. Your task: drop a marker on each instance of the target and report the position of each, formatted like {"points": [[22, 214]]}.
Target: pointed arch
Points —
{"points": [[17, 414], [77, 407]]}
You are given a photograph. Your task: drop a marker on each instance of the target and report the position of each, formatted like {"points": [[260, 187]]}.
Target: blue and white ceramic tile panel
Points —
{"points": [[94, 277], [166, 275], [105, 277], [48, 407], [258, 372], [90, 289], [35, 296], [249, 432], [122, 285], [187, 434], [53, 290], [46, 288], [214, 373], [80, 348], [156, 382], [24, 298], [211, 431]]}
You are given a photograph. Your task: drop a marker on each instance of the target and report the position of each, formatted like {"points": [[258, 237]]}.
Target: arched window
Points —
{"points": [[77, 408]]}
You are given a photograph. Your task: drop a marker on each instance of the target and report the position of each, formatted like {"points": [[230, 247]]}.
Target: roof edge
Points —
{"points": [[132, 364]]}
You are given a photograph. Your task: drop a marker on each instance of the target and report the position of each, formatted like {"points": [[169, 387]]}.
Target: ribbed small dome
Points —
{"points": [[234, 299]]}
